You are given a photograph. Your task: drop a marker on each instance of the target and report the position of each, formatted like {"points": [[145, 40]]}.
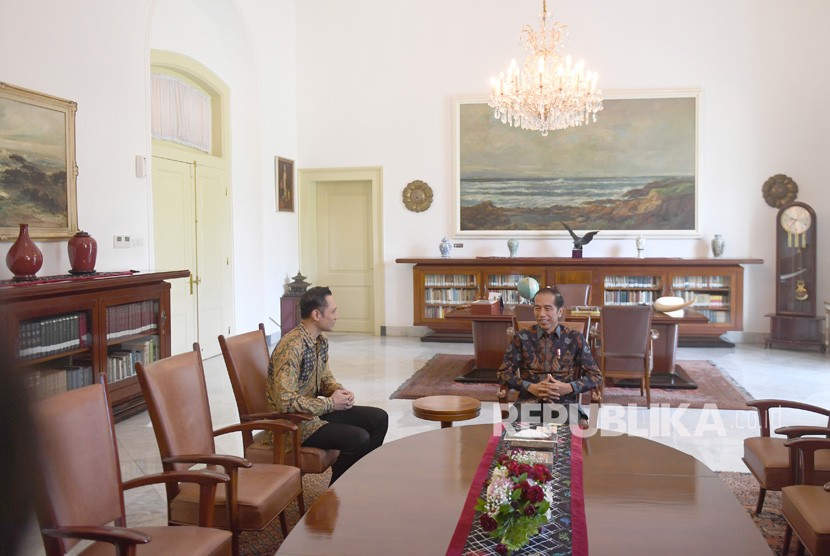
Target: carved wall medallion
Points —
{"points": [[417, 196], [779, 190]]}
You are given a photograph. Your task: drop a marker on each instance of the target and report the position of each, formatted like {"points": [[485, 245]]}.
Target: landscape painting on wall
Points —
{"points": [[37, 164], [634, 171]]}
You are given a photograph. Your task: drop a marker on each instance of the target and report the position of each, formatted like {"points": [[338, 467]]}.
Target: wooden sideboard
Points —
{"points": [[63, 333], [440, 285]]}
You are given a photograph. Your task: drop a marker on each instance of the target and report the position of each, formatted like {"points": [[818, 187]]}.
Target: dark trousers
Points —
{"points": [[355, 432]]}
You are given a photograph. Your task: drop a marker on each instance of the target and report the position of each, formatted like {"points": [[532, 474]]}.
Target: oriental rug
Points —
{"points": [[437, 376]]}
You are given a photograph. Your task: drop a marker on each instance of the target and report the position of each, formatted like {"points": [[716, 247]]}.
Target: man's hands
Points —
{"points": [[343, 399], [550, 389]]}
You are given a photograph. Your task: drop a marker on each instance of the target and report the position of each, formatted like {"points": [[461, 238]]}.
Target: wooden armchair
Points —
{"points": [[246, 358], [177, 401], [575, 294], [767, 457], [625, 348], [82, 491], [806, 504]]}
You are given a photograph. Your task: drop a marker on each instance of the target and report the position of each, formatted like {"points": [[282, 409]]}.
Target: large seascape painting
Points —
{"points": [[633, 171], [37, 164]]}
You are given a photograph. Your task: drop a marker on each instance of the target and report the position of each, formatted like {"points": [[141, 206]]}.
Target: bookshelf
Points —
{"points": [[64, 332], [717, 284]]}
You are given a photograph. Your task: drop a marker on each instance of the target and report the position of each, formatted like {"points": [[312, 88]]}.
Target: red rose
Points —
{"points": [[501, 549], [535, 494], [541, 473], [530, 510], [488, 523]]}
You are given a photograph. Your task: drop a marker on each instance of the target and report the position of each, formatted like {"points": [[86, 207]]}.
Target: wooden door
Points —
{"points": [[344, 250]]}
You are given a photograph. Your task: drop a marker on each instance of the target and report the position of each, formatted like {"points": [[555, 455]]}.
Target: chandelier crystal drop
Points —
{"points": [[548, 91]]}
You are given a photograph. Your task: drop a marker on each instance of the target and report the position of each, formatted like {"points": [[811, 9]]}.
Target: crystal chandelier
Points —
{"points": [[547, 92]]}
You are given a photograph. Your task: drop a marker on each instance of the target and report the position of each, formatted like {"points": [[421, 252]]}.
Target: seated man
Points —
{"points": [[548, 363], [300, 381]]}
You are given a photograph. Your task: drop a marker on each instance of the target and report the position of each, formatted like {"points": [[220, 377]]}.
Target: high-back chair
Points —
{"points": [[82, 491], [766, 456], [806, 504], [246, 358], [575, 294], [177, 401], [626, 345]]}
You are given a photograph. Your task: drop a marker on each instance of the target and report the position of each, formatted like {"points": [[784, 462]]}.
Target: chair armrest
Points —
{"points": [[226, 461], [295, 418], [798, 431], [124, 539], [206, 479], [763, 406], [279, 429]]}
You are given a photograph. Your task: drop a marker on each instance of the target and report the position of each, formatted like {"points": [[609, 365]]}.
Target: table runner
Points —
{"points": [[565, 533]]}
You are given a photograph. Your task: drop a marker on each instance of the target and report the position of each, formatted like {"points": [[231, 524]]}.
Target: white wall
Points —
{"points": [[376, 79], [98, 56]]}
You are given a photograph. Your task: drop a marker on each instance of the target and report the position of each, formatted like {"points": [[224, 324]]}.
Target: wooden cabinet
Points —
{"points": [[65, 332], [440, 285]]}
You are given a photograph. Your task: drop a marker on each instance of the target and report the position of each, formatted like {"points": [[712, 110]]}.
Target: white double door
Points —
{"points": [[192, 229]]}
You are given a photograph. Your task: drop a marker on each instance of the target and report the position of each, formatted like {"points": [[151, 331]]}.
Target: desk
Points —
{"points": [[641, 497], [490, 340]]}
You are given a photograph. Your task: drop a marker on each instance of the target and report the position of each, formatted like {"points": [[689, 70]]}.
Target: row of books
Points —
{"points": [[705, 299], [716, 316], [450, 280], [54, 334], [700, 282], [631, 282], [504, 279], [630, 297], [450, 296], [121, 361], [49, 382], [132, 318]]}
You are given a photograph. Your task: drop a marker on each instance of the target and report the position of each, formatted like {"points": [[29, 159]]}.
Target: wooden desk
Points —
{"points": [[641, 497], [490, 340]]}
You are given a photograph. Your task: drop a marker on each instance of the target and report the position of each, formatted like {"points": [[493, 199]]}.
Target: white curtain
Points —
{"points": [[180, 112]]}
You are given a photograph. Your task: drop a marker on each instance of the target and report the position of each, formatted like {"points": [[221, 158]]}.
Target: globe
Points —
{"points": [[527, 287]]}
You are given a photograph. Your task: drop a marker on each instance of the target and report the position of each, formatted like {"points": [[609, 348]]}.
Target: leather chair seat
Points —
{"points": [[174, 540], [261, 492], [312, 460], [807, 508], [769, 461]]}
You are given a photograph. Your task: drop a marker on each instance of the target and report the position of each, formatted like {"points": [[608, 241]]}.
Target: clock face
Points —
{"points": [[796, 220]]}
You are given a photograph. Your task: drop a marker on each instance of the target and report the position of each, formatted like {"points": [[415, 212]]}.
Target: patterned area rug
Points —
{"points": [[437, 376], [769, 521]]}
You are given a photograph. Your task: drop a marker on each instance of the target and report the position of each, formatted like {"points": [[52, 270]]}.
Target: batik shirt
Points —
{"points": [[299, 378], [532, 354]]}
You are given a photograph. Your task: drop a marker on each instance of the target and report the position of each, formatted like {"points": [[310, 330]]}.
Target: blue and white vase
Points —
{"points": [[445, 246], [718, 245], [513, 247]]}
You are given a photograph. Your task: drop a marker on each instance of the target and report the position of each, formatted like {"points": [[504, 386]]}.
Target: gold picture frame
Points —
{"points": [[38, 171], [284, 170]]}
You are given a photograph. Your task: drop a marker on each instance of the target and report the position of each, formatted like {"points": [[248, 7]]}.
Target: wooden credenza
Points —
{"points": [[64, 333], [440, 285]]}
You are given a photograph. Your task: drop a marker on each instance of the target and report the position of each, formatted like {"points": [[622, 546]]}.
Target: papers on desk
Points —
{"points": [[531, 436], [585, 311]]}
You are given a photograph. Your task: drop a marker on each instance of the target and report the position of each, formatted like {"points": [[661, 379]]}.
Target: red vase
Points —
{"points": [[83, 249], [24, 259]]}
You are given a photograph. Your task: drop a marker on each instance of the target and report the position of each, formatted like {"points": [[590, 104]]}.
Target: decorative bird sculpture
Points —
{"points": [[579, 241]]}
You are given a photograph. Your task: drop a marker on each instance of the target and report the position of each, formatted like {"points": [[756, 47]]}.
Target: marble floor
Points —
{"points": [[373, 367]]}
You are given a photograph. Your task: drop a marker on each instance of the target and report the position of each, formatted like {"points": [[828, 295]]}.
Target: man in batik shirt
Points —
{"points": [[549, 362], [300, 381]]}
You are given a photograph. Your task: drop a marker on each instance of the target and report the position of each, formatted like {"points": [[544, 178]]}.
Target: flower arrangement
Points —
{"points": [[517, 502]]}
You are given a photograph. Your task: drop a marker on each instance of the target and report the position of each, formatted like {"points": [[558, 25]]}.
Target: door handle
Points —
{"points": [[197, 281]]}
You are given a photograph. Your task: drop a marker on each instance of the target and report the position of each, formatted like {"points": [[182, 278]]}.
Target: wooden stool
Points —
{"points": [[446, 409]]}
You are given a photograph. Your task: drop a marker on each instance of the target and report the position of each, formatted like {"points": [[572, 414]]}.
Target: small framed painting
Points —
{"points": [[37, 164], [284, 169]]}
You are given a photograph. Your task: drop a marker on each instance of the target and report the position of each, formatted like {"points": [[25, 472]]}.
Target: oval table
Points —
{"points": [[641, 497]]}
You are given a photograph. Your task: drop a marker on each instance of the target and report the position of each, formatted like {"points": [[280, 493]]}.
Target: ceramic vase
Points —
{"points": [[83, 250], [718, 245], [513, 247], [445, 246], [24, 258]]}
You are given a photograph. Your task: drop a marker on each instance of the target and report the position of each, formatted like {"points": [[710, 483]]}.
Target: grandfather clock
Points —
{"points": [[795, 322]]}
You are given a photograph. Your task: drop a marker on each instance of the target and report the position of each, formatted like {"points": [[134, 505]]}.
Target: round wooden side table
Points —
{"points": [[446, 409]]}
